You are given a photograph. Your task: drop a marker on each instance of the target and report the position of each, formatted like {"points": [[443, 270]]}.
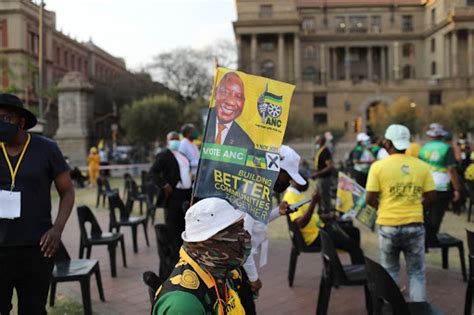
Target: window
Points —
{"points": [[86, 65], [267, 46], [340, 24], [358, 24], [433, 45], [79, 64], [33, 42], [308, 24], [407, 72], [266, 10], [73, 62], [433, 68], [436, 98], [347, 106], [376, 24], [309, 74], [268, 69], [433, 16], [320, 100], [407, 23], [58, 55], [408, 50], [320, 119], [308, 53], [66, 59]]}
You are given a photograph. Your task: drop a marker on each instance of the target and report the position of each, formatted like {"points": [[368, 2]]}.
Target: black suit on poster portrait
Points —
{"points": [[235, 137]]}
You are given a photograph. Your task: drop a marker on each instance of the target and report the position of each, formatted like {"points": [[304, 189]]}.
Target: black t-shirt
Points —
{"points": [[324, 156], [42, 163]]}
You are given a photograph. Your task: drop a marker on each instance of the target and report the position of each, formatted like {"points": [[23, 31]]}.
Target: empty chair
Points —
{"points": [[168, 249], [97, 237], [103, 187], [153, 282], [133, 193], [335, 274], [470, 281], [383, 288], [115, 203], [297, 246], [67, 269]]}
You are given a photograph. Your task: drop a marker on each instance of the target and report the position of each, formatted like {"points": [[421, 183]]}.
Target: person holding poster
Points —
{"points": [[403, 186]]}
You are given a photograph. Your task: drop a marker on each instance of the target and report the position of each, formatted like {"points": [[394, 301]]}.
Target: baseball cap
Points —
{"points": [[362, 136], [399, 135], [290, 162], [208, 217], [436, 130]]}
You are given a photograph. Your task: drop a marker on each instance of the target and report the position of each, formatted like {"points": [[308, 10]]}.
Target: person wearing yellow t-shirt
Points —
{"points": [[310, 223], [399, 187]]}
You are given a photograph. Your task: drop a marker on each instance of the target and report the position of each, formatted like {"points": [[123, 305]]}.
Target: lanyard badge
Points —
{"points": [[13, 172]]}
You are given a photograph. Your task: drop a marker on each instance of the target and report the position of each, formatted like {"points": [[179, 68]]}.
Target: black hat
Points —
{"points": [[13, 102]]}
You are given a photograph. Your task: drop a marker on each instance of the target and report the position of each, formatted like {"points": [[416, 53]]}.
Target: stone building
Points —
{"points": [[347, 55]]}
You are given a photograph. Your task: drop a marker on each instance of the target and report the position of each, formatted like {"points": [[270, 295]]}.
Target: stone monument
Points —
{"points": [[75, 111]]}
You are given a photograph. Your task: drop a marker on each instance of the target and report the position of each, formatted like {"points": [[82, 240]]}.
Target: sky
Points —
{"points": [[139, 29]]}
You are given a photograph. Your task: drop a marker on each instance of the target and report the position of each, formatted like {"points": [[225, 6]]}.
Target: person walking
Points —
{"points": [[399, 186], [29, 164], [324, 167]]}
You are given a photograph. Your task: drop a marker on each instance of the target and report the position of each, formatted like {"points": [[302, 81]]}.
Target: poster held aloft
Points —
{"points": [[240, 158]]}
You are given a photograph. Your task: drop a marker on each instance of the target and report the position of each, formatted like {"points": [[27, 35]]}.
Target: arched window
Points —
{"points": [[309, 74], [308, 53], [407, 72], [268, 69]]}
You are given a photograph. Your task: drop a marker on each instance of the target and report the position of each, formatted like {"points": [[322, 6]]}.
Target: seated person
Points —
{"points": [[310, 223]]}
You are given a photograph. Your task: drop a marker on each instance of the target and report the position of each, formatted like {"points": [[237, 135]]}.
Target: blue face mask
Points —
{"points": [[173, 145]]}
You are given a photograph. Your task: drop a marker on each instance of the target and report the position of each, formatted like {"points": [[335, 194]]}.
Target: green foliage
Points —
{"points": [[150, 119], [299, 126], [456, 117], [192, 112]]}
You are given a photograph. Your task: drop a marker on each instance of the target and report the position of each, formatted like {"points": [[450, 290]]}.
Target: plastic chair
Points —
{"points": [[168, 249], [153, 282], [125, 219], [445, 241], [335, 274], [133, 193], [297, 246], [470, 281], [97, 237], [67, 269], [383, 288], [103, 187]]}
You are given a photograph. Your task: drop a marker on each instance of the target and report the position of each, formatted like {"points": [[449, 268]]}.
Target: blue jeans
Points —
{"points": [[411, 240]]}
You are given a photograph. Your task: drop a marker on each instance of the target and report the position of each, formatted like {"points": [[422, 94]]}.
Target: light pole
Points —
{"points": [[40, 59]]}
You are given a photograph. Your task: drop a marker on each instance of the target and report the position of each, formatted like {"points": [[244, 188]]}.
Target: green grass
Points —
{"points": [[62, 306]]}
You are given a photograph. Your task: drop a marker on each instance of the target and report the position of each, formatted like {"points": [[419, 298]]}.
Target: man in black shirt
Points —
{"points": [[323, 168], [28, 239]]}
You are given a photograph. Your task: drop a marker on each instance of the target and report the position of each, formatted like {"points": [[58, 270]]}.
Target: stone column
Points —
{"points": [[447, 56], [238, 45], [334, 63], [347, 63], [470, 52], [370, 69], [75, 111], [297, 57], [281, 56], [396, 66], [322, 62], [253, 54], [383, 64], [454, 53]]}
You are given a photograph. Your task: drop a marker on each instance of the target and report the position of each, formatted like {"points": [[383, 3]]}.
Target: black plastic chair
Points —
{"points": [[103, 188], [470, 281], [125, 219], [445, 241], [383, 288], [168, 249], [67, 269], [97, 237], [133, 193], [153, 282], [297, 246], [470, 190], [335, 274]]}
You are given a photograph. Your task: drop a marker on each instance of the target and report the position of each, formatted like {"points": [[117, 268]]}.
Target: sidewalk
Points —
{"points": [[126, 294]]}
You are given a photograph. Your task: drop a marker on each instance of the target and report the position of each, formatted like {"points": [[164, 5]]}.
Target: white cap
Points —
{"points": [[399, 135], [436, 130], [362, 136], [290, 162], [208, 217]]}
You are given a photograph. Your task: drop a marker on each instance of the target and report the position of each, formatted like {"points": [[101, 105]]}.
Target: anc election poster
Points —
{"points": [[240, 158], [350, 199]]}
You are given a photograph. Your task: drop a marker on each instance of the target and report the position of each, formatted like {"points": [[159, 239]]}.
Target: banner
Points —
{"points": [[350, 199], [240, 158]]}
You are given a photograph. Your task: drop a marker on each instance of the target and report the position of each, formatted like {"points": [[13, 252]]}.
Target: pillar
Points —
{"points": [[370, 66], [297, 57], [253, 54], [454, 53], [281, 56], [396, 66], [347, 63]]}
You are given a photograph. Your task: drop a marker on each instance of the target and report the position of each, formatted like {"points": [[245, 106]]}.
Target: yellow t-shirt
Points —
{"points": [[310, 232], [401, 180], [413, 149]]}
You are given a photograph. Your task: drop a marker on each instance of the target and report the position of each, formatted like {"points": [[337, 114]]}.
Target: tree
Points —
{"points": [[457, 116], [190, 71], [150, 119]]}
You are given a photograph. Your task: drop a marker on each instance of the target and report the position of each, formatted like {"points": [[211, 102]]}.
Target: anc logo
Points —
{"points": [[269, 108]]}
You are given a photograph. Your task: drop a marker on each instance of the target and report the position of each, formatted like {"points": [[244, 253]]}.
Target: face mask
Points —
{"points": [[7, 132], [173, 145], [280, 186], [195, 134]]}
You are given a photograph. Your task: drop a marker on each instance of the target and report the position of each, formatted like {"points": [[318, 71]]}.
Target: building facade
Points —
{"points": [[19, 57], [347, 55]]}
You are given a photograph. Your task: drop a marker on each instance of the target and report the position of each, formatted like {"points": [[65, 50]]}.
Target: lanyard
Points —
{"points": [[13, 172], [221, 308]]}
